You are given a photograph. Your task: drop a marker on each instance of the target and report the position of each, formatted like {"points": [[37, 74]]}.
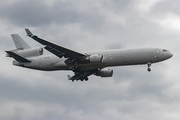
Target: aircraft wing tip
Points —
{"points": [[28, 32]]}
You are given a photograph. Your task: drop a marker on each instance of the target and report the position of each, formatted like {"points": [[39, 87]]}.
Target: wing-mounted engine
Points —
{"points": [[105, 73], [96, 58], [29, 52], [74, 63]]}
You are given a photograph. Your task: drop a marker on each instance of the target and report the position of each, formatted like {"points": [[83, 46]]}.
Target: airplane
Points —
{"points": [[83, 64]]}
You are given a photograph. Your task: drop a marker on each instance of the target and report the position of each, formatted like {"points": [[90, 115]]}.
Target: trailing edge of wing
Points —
{"points": [[52, 47], [17, 57]]}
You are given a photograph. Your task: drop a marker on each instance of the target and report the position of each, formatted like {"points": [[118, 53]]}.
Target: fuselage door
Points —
{"points": [[156, 54]]}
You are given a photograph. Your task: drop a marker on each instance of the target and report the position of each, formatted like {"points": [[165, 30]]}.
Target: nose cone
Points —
{"points": [[165, 54], [170, 54]]}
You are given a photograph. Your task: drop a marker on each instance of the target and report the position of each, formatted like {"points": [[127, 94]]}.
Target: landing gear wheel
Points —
{"points": [[86, 79], [149, 65]]}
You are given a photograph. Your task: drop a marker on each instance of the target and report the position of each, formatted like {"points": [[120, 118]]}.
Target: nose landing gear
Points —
{"points": [[149, 65]]}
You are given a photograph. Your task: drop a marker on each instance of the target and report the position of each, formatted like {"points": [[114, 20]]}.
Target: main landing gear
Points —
{"points": [[149, 65], [84, 78], [80, 75]]}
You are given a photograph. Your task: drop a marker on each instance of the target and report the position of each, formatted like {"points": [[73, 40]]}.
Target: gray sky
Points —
{"points": [[85, 25]]}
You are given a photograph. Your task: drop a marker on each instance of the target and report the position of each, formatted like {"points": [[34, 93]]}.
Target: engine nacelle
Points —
{"points": [[30, 52], [96, 58], [105, 73]]}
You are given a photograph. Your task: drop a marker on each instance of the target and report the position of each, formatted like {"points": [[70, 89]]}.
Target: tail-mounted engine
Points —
{"points": [[105, 73], [29, 52]]}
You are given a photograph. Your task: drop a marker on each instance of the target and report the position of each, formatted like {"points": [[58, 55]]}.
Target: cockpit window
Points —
{"points": [[165, 50]]}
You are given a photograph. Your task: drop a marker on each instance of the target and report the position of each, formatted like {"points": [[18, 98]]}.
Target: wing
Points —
{"points": [[73, 58], [57, 49]]}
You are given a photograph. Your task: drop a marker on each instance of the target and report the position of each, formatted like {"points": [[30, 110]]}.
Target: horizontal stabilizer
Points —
{"points": [[17, 57]]}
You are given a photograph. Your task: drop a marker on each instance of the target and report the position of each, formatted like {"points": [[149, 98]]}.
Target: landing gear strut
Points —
{"points": [[149, 65]]}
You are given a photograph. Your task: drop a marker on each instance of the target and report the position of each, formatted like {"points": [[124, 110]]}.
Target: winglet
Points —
{"points": [[17, 57], [28, 33]]}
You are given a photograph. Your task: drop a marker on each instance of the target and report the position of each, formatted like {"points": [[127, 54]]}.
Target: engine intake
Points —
{"points": [[105, 73], [96, 58], [30, 52]]}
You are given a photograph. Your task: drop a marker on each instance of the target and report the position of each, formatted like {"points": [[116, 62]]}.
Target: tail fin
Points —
{"points": [[19, 42]]}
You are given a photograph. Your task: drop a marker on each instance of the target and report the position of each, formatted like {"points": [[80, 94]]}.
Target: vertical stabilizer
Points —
{"points": [[19, 42]]}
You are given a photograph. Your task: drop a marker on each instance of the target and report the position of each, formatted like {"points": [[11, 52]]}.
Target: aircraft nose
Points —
{"points": [[170, 54], [167, 54]]}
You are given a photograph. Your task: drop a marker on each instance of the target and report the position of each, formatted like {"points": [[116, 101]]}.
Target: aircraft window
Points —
{"points": [[164, 50]]}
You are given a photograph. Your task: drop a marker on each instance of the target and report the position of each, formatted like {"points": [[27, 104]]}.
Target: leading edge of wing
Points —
{"points": [[66, 52]]}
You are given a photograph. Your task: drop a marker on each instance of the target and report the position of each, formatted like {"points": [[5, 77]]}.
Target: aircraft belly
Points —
{"points": [[135, 59], [61, 66], [91, 66], [52, 64], [47, 63]]}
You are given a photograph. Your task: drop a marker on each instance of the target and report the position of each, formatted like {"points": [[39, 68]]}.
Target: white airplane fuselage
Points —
{"points": [[82, 64], [117, 57]]}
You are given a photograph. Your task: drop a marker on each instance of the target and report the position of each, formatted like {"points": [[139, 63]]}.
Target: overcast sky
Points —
{"points": [[84, 25]]}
